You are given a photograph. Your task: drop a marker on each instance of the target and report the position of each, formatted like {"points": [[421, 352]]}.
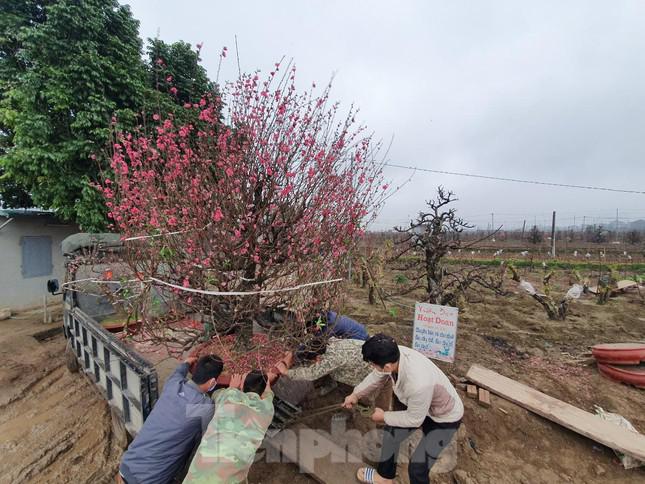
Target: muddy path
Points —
{"points": [[53, 426]]}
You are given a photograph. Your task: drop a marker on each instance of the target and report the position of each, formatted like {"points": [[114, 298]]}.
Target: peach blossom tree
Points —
{"points": [[268, 190]]}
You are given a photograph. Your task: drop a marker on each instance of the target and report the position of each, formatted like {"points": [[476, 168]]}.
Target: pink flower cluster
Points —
{"points": [[266, 188]]}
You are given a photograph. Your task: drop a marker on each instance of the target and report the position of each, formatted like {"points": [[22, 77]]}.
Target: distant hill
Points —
{"points": [[627, 226], [637, 225]]}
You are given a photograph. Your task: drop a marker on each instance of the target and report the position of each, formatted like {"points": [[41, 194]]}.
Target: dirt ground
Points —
{"points": [[55, 428], [513, 336]]}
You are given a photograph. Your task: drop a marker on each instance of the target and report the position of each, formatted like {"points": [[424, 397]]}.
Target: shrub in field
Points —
{"points": [[633, 237], [555, 309], [596, 234], [372, 265], [535, 236]]}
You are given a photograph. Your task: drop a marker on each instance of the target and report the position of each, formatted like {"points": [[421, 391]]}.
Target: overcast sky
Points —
{"points": [[551, 91]]}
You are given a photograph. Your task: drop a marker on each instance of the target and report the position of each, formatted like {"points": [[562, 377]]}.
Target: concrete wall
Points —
{"points": [[17, 292]]}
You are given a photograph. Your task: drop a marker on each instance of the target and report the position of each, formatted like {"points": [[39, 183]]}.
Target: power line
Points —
{"points": [[516, 180]]}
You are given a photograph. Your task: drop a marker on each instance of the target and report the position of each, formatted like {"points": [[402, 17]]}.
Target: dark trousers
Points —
{"points": [[436, 436]]}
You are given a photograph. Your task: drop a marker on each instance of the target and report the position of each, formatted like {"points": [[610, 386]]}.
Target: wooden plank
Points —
{"points": [[471, 391], [625, 284], [573, 418], [484, 397], [326, 461]]}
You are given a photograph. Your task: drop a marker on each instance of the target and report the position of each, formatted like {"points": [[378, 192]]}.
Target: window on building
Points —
{"points": [[36, 256]]}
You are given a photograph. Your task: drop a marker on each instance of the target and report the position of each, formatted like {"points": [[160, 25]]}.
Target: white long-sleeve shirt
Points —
{"points": [[422, 387]]}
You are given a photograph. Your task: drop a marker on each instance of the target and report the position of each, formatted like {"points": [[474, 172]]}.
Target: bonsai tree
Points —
{"points": [[434, 234]]}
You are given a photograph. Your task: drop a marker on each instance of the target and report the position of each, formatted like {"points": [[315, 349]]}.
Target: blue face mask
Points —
{"points": [[212, 387]]}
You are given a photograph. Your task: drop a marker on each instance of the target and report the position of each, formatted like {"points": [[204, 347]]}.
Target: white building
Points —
{"points": [[30, 254]]}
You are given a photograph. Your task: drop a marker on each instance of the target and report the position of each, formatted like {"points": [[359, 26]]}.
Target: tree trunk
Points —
{"points": [[370, 295], [603, 294], [434, 273], [548, 305], [245, 333], [563, 308]]}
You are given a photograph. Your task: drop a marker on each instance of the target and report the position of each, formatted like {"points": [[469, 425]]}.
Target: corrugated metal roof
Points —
{"points": [[25, 212]]}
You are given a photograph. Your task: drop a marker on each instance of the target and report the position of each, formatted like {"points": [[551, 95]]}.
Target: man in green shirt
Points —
{"points": [[237, 430]]}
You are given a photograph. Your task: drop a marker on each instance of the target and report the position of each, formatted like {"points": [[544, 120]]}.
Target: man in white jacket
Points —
{"points": [[433, 405]]}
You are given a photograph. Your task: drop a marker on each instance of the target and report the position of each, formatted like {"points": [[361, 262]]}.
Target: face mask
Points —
{"points": [[381, 372], [212, 387]]}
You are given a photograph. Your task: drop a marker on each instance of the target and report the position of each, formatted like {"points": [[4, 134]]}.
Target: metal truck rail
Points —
{"points": [[128, 382]]}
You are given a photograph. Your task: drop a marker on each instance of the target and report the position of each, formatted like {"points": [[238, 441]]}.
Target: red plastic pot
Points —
{"points": [[619, 353], [631, 374]]}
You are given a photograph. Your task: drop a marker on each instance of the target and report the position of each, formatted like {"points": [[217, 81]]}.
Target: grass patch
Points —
{"points": [[552, 264]]}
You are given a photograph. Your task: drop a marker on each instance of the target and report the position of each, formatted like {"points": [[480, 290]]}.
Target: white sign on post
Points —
{"points": [[435, 331]]}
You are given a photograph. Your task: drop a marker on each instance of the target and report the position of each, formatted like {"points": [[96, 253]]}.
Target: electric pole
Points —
{"points": [[584, 221], [573, 232], [553, 236], [617, 225]]}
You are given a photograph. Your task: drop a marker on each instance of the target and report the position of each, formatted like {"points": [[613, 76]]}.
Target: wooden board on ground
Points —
{"points": [[626, 284], [567, 415], [471, 391], [484, 397], [324, 460]]}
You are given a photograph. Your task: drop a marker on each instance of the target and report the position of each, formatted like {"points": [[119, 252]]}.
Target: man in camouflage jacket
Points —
{"points": [[341, 359], [232, 438]]}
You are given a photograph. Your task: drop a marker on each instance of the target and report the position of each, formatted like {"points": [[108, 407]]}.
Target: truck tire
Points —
{"points": [[119, 432], [70, 358]]}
